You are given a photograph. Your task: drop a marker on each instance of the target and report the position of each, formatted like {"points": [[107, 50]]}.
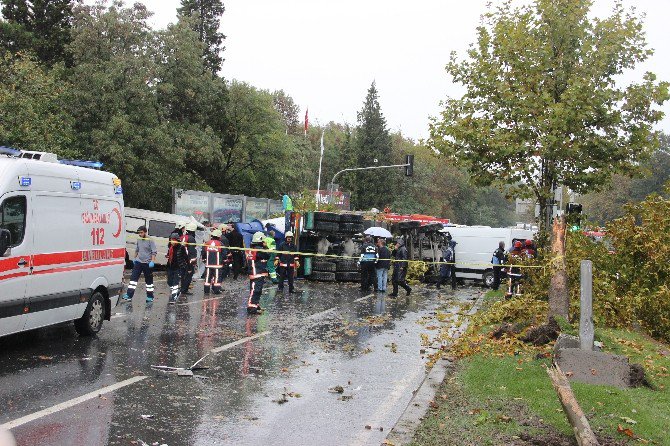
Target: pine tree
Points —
{"points": [[207, 14], [373, 147], [40, 26]]}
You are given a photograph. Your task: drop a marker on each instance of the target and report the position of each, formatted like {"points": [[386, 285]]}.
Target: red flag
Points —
{"points": [[306, 120]]}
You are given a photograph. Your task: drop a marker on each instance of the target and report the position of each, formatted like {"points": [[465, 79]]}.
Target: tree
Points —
{"points": [[373, 147], [207, 21], [41, 26], [287, 107], [544, 105], [31, 108], [605, 206]]}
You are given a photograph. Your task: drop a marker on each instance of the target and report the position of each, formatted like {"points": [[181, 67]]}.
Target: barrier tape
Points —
{"points": [[335, 256]]}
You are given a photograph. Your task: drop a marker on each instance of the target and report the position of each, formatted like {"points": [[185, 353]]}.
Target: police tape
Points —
{"points": [[336, 256]]}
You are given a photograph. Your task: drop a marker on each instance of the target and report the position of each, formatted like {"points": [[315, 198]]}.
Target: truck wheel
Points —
{"points": [[350, 276], [488, 278], [91, 322], [326, 216], [351, 227], [322, 276], [323, 265], [325, 226], [351, 218], [347, 265]]}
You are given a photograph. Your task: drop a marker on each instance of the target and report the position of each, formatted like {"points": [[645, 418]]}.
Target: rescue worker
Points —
{"points": [[528, 250], [499, 258], [237, 242], [214, 259], [448, 268], [227, 254], [271, 243], [367, 262], [288, 263], [145, 256], [383, 265], [176, 260], [188, 241], [400, 266], [287, 205], [514, 273], [258, 271]]}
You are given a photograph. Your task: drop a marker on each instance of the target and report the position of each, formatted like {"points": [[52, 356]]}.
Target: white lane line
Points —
{"points": [[238, 342], [330, 310], [73, 402]]}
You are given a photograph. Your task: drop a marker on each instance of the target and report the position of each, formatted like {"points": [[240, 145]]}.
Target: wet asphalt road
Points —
{"points": [[268, 379]]}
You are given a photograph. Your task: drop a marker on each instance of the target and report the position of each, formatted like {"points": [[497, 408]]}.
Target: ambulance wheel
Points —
{"points": [[91, 322], [488, 278]]}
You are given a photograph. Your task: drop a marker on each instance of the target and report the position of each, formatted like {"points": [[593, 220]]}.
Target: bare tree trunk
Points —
{"points": [[576, 417], [559, 298]]}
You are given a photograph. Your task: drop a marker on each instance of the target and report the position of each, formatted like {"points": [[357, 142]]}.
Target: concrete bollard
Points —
{"points": [[586, 331]]}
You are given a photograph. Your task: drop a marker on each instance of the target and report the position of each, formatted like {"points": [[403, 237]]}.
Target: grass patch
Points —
{"points": [[488, 388]]}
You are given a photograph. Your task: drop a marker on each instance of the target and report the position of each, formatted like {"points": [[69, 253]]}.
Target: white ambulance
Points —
{"points": [[62, 242]]}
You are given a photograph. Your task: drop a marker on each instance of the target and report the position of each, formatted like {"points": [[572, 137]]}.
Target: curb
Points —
{"points": [[402, 432]]}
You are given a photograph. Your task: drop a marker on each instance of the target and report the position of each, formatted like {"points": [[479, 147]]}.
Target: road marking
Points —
{"points": [[73, 402], [239, 341]]}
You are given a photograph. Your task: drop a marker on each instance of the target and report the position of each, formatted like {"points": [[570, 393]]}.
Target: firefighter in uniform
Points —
{"points": [[214, 259], [176, 261], [272, 244], [188, 240], [288, 263], [258, 270]]}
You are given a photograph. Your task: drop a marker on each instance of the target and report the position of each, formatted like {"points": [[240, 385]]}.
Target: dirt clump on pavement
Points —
{"points": [[506, 329]]}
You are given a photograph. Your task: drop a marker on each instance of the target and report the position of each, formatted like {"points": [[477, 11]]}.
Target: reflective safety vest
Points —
{"points": [[258, 263], [214, 254]]}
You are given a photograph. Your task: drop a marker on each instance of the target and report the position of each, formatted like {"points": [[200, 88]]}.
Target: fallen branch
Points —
{"points": [[576, 417]]}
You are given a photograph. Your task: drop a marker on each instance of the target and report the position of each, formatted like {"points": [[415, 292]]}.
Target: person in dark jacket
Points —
{"points": [[288, 263], [383, 265], [499, 258], [236, 241], [258, 271], [188, 240], [176, 261], [367, 261], [448, 268], [400, 266]]}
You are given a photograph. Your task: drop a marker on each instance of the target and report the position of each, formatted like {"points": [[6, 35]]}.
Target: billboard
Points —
{"points": [[342, 200], [194, 203], [222, 208], [227, 208]]}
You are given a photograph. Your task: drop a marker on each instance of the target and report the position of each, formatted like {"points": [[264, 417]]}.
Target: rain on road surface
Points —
{"points": [[269, 381]]}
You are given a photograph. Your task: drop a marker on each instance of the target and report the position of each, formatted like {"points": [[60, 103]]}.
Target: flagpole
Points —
{"points": [[318, 184]]}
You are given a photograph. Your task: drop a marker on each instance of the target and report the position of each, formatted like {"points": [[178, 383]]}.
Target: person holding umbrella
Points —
{"points": [[383, 265]]}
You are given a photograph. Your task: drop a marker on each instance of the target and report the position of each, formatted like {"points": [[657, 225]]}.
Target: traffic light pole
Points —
{"points": [[332, 182]]}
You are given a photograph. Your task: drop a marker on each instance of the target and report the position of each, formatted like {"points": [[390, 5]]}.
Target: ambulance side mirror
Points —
{"points": [[5, 243]]}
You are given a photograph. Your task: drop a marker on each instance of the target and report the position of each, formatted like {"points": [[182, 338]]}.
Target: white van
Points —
{"points": [[62, 242], [159, 226], [475, 246]]}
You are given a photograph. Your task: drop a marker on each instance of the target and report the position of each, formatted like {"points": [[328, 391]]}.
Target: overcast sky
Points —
{"points": [[325, 54]]}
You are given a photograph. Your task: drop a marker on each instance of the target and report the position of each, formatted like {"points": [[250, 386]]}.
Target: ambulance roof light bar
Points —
{"points": [[80, 163], [11, 151]]}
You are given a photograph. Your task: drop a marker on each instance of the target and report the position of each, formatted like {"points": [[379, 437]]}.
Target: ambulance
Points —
{"points": [[62, 242]]}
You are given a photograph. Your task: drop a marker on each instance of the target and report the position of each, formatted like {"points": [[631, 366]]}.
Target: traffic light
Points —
{"points": [[574, 211], [409, 168]]}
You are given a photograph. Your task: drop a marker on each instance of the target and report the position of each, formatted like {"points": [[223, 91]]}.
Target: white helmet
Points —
{"points": [[258, 237], [216, 233], [191, 227], [180, 225], [288, 234]]}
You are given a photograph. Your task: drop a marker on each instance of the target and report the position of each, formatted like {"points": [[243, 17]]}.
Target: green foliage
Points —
{"points": [[544, 103], [31, 107], [38, 26], [609, 204], [206, 15], [373, 147]]}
